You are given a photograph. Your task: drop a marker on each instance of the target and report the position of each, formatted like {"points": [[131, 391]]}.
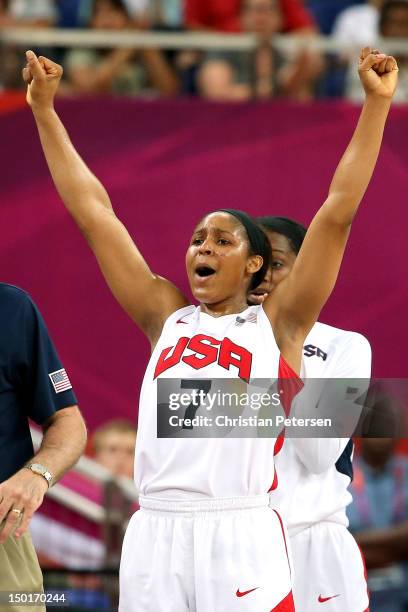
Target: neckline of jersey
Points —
{"points": [[233, 314]]}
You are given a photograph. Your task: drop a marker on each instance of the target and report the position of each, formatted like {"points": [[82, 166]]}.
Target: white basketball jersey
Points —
{"points": [[195, 345], [317, 472]]}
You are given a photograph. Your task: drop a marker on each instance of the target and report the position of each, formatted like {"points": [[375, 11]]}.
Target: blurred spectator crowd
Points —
{"points": [[81, 556], [299, 73], [379, 521]]}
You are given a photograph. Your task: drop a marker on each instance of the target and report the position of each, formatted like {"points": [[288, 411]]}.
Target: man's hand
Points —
{"points": [[42, 77], [21, 495], [378, 73], [24, 492]]}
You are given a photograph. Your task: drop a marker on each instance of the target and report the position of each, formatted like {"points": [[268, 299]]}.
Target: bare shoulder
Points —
{"points": [[168, 299]]}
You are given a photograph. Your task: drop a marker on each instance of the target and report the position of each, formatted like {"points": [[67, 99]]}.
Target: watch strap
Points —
{"points": [[41, 470]]}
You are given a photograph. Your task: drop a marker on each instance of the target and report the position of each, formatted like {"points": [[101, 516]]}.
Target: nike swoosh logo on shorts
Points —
{"points": [[323, 599], [239, 594], [181, 321]]}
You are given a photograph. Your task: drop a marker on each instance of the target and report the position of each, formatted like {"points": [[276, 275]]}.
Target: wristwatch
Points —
{"points": [[41, 470]]}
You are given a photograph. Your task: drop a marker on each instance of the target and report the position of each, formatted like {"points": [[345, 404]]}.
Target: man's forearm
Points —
{"points": [[80, 190], [63, 442]]}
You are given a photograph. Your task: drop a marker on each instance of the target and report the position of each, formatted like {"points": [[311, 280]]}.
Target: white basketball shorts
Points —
{"points": [[212, 555], [329, 571]]}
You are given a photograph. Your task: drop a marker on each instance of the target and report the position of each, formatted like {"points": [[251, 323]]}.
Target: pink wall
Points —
{"points": [[165, 164]]}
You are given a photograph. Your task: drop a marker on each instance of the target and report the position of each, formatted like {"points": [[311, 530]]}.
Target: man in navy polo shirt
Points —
{"points": [[33, 385]]}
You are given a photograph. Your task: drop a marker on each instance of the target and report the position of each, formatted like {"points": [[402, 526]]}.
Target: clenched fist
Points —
{"points": [[42, 77], [378, 73]]}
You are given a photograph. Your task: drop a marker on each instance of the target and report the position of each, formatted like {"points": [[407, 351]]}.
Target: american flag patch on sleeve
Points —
{"points": [[60, 380]]}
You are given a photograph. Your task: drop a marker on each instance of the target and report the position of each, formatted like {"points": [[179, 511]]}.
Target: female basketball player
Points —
{"points": [[313, 492], [205, 538]]}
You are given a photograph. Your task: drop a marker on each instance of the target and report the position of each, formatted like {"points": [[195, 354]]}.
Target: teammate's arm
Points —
{"points": [[354, 362], [146, 297], [296, 303]]}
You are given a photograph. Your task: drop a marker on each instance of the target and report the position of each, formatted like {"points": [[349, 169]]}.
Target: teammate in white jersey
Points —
{"points": [[313, 493], [205, 538]]}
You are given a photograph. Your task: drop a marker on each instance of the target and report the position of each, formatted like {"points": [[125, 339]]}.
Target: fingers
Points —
{"points": [[370, 60], [27, 75], [381, 68], [30, 502], [35, 67], [17, 506], [12, 521], [387, 65], [364, 53], [373, 59], [50, 67], [391, 64], [24, 523], [5, 506], [42, 66]]}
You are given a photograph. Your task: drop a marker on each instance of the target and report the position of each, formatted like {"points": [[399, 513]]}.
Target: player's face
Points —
{"points": [[283, 258], [219, 267]]}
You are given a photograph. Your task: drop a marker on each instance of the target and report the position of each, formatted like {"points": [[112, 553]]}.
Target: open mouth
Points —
{"points": [[204, 271]]}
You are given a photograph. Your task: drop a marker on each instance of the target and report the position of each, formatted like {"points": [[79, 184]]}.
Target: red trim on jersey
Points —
{"points": [[284, 538], [277, 449], [285, 370], [286, 605], [275, 482], [289, 385], [279, 443]]}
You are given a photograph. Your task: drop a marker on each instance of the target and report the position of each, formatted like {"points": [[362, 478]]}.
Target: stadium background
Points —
{"points": [[165, 164]]}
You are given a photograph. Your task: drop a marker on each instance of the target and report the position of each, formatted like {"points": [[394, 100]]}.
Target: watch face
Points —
{"points": [[37, 467]]}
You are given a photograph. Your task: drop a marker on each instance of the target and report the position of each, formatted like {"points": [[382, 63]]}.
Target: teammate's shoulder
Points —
{"points": [[329, 333]]}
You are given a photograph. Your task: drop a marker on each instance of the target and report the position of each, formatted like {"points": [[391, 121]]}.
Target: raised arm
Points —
{"points": [[146, 297], [296, 303]]}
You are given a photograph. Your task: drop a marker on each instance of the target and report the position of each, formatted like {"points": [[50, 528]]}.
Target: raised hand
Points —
{"points": [[378, 73], [42, 77]]}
